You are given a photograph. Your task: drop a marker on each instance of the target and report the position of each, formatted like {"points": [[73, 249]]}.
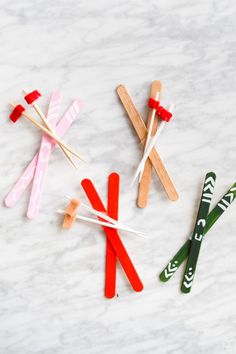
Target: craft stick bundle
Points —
{"points": [[184, 251], [114, 240], [37, 169], [31, 98], [108, 219], [154, 157]]}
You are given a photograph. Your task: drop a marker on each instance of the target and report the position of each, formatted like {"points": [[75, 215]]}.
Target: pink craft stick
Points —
{"points": [[14, 195], [43, 158]]}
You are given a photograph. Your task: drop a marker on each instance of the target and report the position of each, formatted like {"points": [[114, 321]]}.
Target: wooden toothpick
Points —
{"points": [[151, 146], [44, 119], [109, 219], [150, 130], [145, 182], [45, 130], [103, 223]]}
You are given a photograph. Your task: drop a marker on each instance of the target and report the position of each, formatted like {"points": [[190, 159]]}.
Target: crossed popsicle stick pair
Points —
{"points": [[115, 250], [35, 172], [19, 111], [204, 222], [154, 159]]}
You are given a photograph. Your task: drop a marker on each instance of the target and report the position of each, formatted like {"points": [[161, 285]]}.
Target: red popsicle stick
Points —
{"points": [[112, 211], [113, 237]]}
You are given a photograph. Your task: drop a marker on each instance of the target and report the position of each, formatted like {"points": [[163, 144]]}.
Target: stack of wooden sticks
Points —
{"points": [[154, 159], [53, 130]]}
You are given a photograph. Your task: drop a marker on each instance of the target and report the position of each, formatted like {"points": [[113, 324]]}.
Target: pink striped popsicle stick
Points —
{"points": [[14, 195], [43, 158]]}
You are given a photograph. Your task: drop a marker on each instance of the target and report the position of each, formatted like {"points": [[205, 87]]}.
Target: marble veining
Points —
{"points": [[51, 281]]}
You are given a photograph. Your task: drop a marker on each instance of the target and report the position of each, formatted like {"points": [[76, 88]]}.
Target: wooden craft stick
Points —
{"points": [[48, 125], [27, 176], [141, 131], [212, 217], [113, 237], [198, 231], [112, 210], [44, 154], [45, 130], [144, 185]]}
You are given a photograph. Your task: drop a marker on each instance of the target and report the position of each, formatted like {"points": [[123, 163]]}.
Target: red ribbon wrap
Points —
{"points": [[161, 111], [16, 113], [32, 96]]}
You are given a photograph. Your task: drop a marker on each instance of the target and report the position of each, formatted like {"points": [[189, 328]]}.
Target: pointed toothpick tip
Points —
{"points": [[172, 106]]}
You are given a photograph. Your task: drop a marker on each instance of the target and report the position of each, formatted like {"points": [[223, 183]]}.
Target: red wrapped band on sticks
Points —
{"points": [[16, 113], [32, 96], [161, 111]]}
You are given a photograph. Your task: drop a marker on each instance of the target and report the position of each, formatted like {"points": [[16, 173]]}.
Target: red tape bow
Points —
{"points": [[153, 103], [32, 96], [161, 111], [16, 113]]}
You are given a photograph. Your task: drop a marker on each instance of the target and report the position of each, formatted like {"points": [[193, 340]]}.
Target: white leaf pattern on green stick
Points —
{"points": [[198, 232], [212, 218], [171, 269]]}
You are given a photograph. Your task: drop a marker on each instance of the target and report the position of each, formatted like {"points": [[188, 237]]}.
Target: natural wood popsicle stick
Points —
{"points": [[144, 185], [141, 131], [48, 132]]}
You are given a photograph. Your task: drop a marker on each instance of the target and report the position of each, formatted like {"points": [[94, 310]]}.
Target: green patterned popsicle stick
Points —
{"points": [[213, 216], [204, 206]]}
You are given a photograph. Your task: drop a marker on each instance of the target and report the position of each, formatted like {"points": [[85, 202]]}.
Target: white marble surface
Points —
{"points": [[51, 281]]}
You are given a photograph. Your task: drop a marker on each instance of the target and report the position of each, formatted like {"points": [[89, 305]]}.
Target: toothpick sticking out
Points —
{"points": [[107, 218], [48, 132], [149, 131], [44, 119], [107, 224], [151, 145]]}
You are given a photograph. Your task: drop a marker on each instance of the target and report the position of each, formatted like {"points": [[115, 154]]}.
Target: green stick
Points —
{"points": [[183, 252], [197, 236]]}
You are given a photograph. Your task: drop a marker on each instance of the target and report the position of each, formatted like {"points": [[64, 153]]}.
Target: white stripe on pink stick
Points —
{"points": [[43, 158], [14, 195]]}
